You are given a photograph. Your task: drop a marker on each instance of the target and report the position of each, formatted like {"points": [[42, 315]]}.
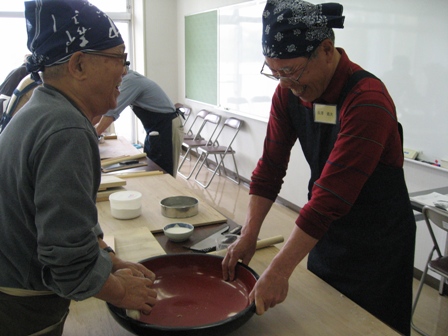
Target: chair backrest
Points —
{"points": [[234, 125], [210, 118], [200, 115], [439, 218], [186, 111], [20, 96]]}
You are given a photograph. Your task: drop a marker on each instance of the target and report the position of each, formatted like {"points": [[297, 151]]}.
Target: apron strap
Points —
{"points": [[23, 292]]}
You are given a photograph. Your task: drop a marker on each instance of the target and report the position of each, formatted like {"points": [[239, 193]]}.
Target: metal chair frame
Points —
{"points": [[190, 135], [198, 141], [215, 149], [186, 110], [439, 264]]}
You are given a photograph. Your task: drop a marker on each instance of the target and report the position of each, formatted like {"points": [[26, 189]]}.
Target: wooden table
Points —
{"points": [[118, 147], [312, 307], [417, 206]]}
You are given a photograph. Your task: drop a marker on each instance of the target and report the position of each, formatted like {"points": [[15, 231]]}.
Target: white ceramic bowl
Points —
{"points": [[178, 232]]}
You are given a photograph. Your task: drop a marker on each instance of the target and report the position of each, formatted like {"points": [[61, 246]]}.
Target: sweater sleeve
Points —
{"points": [[66, 215], [267, 177]]}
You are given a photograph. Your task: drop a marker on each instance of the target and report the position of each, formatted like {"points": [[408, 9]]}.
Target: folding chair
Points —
{"points": [[211, 122], [439, 264], [230, 130]]}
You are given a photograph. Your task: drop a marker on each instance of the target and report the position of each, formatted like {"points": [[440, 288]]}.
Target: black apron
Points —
{"points": [[368, 255], [159, 148]]}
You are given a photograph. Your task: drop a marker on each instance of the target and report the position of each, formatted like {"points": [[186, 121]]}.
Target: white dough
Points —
{"points": [[133, 314]]}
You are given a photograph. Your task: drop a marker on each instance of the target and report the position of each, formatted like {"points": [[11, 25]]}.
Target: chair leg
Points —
{"points": [[214, 171], [442, 285], [417, 296], [217, 170], [221, 164], [182, 163], [184, 158], [237, 175], [183, 155], [208, 165]]}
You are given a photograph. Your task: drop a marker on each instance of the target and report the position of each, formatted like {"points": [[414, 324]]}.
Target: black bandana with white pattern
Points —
{"points": [[58, 28], [295, 28]]}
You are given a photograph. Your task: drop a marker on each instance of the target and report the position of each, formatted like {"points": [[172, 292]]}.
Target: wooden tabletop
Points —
{"points": [[153, 189], [312, 307], [117, 147], [113, 148]]}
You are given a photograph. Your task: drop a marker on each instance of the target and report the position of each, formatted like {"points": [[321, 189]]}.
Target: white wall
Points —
{"points": [[165, 64], [161, 45]]}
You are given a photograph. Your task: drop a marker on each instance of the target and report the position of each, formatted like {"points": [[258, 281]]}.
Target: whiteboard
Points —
{"points": [[403, 42], [242, 89]]}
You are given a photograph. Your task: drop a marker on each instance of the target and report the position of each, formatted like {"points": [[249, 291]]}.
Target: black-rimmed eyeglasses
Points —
{"points": [[284, 74], [123, 56]]}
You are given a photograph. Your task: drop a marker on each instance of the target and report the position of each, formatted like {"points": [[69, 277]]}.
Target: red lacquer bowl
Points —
{"points": [[192, 297]]}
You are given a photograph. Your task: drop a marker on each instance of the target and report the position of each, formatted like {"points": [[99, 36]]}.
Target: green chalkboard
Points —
{"points": [[201, 57]]}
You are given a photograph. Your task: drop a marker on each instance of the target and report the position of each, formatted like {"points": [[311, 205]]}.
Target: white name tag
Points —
{"points": [[326, 114]]}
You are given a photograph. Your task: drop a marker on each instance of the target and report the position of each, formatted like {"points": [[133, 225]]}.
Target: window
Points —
{"points": [[232, 52], [242, 89], [14, 40]]}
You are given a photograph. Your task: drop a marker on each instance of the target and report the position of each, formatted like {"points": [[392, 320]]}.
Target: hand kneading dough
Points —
{"points": [[133, 314]]}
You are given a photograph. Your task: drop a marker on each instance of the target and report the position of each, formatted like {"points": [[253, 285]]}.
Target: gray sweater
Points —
{"points": [[49, 177]]}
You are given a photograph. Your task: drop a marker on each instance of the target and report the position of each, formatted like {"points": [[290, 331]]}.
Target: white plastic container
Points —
{"points": [[444, 163], [126, 204]]}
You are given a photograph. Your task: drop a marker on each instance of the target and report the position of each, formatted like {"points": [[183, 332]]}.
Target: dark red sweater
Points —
{"points": [[368, 136]]}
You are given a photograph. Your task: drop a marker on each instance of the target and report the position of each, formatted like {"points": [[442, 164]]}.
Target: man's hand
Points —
{"points": [[242, 249], [135, 292], [269, 290], [137, 269]]}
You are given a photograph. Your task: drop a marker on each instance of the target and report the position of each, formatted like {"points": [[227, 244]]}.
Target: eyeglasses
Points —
{"points": [[285, 74], [123, 56]]}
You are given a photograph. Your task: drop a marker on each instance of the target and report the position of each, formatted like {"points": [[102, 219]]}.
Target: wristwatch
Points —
{"points": [[109, 249]]}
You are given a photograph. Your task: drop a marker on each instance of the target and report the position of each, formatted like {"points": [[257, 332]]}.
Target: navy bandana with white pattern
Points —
{"points": [[58, 28], [295, 28]]}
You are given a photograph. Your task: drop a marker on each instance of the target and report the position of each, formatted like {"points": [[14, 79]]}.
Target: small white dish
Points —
{"points": [[178, 232]]}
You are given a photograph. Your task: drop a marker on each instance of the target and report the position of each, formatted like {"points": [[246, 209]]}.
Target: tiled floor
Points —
{"points": [[232, 199]]}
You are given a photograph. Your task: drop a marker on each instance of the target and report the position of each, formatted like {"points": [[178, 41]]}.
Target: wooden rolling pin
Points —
{"points": [[138, 174], [111, 161], [262, 243]]}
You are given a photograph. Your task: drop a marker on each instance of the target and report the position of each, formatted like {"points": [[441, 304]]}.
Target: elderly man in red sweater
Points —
{"points": [[357, 227]]}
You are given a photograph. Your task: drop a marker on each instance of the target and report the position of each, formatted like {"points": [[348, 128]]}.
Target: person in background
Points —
{"points": [[51, 247], [357, 228], [20, 96], [10, 83], [161, 120]]}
